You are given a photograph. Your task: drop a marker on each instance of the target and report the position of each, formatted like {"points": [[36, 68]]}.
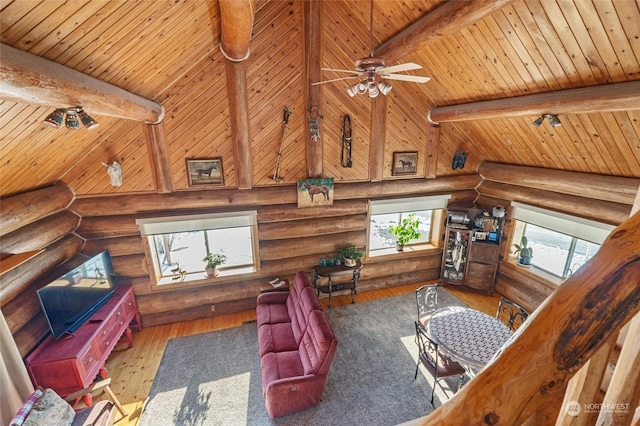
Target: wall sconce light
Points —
{"points": [[554, 121], [70, 117]]}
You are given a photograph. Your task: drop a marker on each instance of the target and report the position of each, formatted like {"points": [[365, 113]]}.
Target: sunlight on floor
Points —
{"points": [[228, 404]]}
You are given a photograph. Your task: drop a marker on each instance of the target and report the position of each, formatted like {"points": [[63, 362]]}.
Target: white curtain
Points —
{"points": [[15, 385]]}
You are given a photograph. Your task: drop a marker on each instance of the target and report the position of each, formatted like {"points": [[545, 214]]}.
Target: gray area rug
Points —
{"points": [[214, 378]]}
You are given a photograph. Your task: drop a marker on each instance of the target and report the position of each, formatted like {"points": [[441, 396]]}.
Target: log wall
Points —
{"points": [[290, 239], [607, 199]]}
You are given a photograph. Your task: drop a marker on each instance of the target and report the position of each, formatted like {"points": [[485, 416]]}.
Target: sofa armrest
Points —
{"points": [[273, 297], [293, 394]]}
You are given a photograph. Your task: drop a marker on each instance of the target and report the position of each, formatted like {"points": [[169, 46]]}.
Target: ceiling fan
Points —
{"points": [[374, 71]]}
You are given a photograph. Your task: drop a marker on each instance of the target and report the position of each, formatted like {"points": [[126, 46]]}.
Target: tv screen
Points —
{"points": [[69, 301]]}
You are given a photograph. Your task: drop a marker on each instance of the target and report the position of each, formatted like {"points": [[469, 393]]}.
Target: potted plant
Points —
{"points": [[525, 253], [350, 256], [405, 231], [212, 261]]}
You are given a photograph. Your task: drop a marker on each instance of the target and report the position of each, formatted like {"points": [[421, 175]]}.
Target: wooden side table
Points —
{"points": [[329, 271], [266, 287]]}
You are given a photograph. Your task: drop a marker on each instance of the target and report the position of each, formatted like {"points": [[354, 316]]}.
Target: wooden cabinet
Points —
{"points": [[469, 261], [72, 362]]}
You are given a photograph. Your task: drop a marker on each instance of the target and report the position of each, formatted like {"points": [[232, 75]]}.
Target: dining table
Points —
{"points": [[467, 336]]}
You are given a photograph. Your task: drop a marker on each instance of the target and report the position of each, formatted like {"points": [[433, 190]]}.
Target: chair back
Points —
{"points": [[427, 301], [510, 313], [427, 350]]}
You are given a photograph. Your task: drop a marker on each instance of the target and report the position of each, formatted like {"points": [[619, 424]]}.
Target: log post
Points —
{"points": [[236, 24], [239, 112], [159, 157], [561, 335], [377, 138], [433, 148], [312, 21]]}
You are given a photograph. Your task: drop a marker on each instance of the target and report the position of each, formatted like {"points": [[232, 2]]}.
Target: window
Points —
{"points": [[176, 246], [561, 243], [384, 213]]}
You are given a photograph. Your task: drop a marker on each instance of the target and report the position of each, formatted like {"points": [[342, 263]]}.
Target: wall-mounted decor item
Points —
{"points": [[315, 192], [314, 115], [114, 170], [285, 122], [346, 142], [459, 159], [205, 171], [404, 163]]}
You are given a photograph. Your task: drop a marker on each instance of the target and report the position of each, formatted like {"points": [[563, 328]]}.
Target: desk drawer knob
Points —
{"points": [[107, 343]]}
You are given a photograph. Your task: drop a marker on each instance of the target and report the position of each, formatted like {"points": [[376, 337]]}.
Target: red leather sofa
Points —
{"points": [[297, 347]]}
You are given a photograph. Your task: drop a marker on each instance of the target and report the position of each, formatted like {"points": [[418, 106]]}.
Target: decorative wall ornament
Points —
{"points": [[205, 171], [314, 115], [114, 170], [404, 163], [285, 122], [346, 142], [459, 159], [315, 192]]}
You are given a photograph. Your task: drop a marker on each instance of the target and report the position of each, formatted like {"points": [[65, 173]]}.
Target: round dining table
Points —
{"points": [[467, 336]]}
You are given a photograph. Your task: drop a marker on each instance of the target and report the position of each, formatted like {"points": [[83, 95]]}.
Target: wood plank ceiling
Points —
{"points": [[168, 51]]}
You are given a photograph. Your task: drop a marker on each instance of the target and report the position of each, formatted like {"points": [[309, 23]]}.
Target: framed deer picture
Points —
{"points": [[404, 163], [205, 171]]}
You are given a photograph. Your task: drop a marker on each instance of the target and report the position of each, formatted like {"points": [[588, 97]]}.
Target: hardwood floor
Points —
{"points": [[132, 369]]}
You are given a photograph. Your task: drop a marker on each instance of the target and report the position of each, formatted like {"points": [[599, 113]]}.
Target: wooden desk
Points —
{"points": [[329, 271]]}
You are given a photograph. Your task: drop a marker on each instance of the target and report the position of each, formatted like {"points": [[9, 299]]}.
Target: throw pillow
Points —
{"points": [[50, 409]]}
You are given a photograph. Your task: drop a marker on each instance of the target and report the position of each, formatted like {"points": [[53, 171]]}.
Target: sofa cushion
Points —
{"points": [[50, 409], [279, 365], [307, 303], [276, 338], [271, 308], [318, 345]]}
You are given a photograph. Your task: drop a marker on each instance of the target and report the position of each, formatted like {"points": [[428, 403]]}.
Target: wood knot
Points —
{"points": [[491, 418]]}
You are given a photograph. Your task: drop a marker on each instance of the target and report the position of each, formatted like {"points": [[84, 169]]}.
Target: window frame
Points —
{"points": [[224, 220]]}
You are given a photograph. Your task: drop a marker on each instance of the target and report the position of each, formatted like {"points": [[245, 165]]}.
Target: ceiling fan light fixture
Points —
{"points": [[87, 120], [554, 121], [384, 87], [71, 120], [538, 121], [373, 89], [55, 119], [357, 89]]}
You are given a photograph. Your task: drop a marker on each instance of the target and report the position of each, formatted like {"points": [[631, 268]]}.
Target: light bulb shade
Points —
{"points": [[87, 120], [554, 121], [384, 87], [71, 120], [373, 90], [356, 89], [538, 121], [55, 119]]}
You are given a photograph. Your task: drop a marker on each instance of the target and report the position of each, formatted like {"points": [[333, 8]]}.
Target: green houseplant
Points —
{"points": [[213, 260], [525, 253], [405, 231], [350, 255]]}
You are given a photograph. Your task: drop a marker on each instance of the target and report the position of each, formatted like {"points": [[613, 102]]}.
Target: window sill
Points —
{"points": [[532, 272], [201, 278], [409, 251]]}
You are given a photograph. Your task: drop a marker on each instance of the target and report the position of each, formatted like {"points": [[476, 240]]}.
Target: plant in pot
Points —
{"points": [[525, 253], [350, 256], [213, 260], [405, 231]]}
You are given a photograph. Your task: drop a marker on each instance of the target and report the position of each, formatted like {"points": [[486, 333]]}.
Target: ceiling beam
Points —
{"points": [[312, 21], [607, 97], [236, 25], [30, 79], [447, 19]]}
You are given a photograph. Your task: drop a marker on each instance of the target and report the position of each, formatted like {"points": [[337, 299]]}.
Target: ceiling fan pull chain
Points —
{"points": [[346, 142]]}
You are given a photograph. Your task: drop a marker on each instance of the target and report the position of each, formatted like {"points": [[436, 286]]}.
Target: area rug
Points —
{"points": [[214, 378]]}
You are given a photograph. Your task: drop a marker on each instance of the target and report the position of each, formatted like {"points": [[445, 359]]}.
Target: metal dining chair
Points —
{"points": [[510, 313], [427, 302], [438, 365]]}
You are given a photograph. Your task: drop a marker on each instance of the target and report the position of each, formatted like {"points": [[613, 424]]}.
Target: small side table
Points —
{"points": [[266, 287], [329, 271]]}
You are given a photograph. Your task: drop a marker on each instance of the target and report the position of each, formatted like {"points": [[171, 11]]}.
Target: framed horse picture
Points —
{"points": [[205, 171], [404, 163], [315, 192]]}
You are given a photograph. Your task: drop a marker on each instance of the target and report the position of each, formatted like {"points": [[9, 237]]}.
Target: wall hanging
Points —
{"points": [[315, 192], [285, 122], [404, 163], [114, 170], [206, 171], [459, 159], [346, 141]]}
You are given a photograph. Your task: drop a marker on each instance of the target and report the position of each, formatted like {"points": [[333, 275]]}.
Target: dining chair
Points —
{"points": [[427, 301], [438, 365], [510, 313]]}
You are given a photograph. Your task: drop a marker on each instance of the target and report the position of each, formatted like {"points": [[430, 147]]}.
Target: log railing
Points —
{"points": [[526, 380]]}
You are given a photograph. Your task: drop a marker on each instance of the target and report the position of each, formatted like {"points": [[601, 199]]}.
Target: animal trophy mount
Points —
{"points": [[459, 159], [314, 115], [346, 142], [114, 170], [285, 122]]}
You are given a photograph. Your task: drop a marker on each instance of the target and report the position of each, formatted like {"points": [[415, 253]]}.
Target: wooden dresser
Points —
{"points": [[72, 362]]}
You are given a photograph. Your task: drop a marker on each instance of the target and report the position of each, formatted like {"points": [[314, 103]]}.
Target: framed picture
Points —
{"points": [[404, 163], [205, 171], [315, 192]]}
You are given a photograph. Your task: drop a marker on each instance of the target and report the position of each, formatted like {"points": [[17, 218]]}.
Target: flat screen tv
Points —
{"points": [[69, 301]]}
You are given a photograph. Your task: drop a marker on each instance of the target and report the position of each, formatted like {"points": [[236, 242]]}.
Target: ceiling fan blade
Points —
{"points": [[337, 70], [335, 79], [397, 68], [406, 77]]}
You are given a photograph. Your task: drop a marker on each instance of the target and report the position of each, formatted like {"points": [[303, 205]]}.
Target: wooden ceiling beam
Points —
{"points": [[236, 25], [312, 18], [447, 19], [30, 79], [607, 97]]}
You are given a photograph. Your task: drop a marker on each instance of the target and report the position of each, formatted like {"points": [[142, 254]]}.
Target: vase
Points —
{"points": [[349, 262], [400, 247], [212, 272]]}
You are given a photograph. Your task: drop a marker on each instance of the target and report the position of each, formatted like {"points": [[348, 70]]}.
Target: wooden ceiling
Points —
{"points": [[168, 51]]}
